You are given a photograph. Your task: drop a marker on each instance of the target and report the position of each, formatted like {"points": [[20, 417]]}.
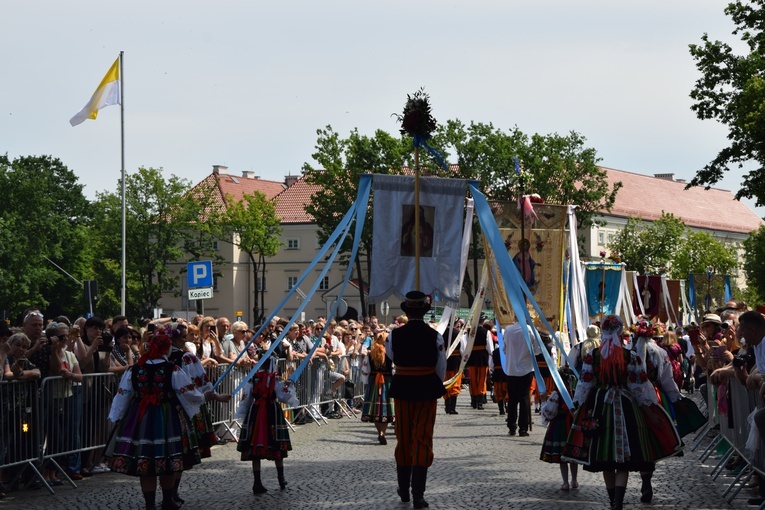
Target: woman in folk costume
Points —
{"points": [[582, 349], [378, 407], [153, 436], [659, 369], [453, 363], [264, 432], [558, 417], [478, 364], [202, 421], [618, 425]]}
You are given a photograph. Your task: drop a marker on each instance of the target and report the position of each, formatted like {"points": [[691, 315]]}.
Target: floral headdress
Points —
{"points": [[643, 328], [158, 345]]}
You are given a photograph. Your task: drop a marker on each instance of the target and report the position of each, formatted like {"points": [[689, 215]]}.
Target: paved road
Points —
{"points": [[342, 466]]}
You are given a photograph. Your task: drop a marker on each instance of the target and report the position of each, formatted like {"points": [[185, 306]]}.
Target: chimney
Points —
{"points": [[666, 177], [289, 180], [248, 174], [680, 180], [220, 169]]}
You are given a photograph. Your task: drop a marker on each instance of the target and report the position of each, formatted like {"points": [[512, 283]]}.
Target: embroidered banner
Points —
{"points": [[708, 292], [442, 203], [603, 281], [538, 257]]}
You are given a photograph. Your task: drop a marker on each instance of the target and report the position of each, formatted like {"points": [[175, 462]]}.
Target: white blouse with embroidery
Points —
{"points": [[642, 392], [189, 396]]}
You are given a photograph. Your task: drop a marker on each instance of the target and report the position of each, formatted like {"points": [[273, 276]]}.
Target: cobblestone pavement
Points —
{"points": [[342, 466]]}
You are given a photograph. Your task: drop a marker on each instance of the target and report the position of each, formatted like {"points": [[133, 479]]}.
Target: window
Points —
{"points": [[291, 282], [215, 282], [293, 244], [601, 238], [261, 283], [324, 285], [215, 245], [610, 237]]}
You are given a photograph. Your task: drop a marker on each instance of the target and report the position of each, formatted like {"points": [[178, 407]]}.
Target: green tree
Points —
{"points": [[42, 212], [155, 227], [648, 247], [696, 251], [253, 226], [731, 90], [341, 163], [754, 263]]}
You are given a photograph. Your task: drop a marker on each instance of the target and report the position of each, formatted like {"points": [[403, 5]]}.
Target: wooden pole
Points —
{"points": [[417, 218]]}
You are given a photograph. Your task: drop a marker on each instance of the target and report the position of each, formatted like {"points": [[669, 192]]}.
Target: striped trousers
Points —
{"points": [[414, 424]]}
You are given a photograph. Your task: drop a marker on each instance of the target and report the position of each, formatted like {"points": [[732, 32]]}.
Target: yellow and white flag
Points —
{"points": [[107, 94]]}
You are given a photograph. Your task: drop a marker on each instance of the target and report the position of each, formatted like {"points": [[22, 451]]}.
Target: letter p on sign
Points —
{"points": [[200, 274]]}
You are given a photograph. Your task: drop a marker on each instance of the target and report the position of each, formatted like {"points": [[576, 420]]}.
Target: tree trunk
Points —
{"points": [[262, 289]]}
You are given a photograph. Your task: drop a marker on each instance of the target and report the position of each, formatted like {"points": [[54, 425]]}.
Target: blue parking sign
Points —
{"points": [[200, 274]]}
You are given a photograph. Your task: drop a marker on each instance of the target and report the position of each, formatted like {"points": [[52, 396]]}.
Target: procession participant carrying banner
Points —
{"points": [[538, 257], [603, 281], [441, 209]]}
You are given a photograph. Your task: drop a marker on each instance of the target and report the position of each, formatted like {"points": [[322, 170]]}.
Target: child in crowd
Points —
{"points": [[558, 417]]}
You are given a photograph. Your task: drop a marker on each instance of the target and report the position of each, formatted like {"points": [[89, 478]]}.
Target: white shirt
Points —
{"points": [[759, 356], [518, 359]]}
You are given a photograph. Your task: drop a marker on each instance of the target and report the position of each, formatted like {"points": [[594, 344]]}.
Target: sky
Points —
{"points": [[247, 84]]}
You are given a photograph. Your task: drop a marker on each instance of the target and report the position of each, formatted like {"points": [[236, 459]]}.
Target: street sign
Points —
{"points": [[339, 307], [199, 274], [384, 308], [206, 293]]}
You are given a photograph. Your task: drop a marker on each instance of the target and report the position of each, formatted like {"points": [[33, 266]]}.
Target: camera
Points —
{"points": [[108, 339], [740, 361]]}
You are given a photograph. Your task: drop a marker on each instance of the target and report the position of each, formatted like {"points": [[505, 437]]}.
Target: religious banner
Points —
{"points": [[707, 292], [673, 299], [603, 282], [537, 252], [441, 209], [648, 291]]}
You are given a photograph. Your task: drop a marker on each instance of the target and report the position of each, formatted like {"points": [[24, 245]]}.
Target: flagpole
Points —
{"points": [[122, 150], [417, 218]]}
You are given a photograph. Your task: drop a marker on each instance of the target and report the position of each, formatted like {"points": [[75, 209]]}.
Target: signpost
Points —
{"points": [[200, 280], [385, 310]]}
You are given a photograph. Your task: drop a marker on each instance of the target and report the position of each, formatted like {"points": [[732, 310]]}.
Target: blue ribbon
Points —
{"points": [[419, 141], [341, 227], [516, 288], [692, 297], [517, 165], [728, 293]]}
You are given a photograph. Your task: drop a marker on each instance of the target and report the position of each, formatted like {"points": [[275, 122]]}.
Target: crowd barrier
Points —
{"points": [[730, 422], [53, 424], [61, 425]]}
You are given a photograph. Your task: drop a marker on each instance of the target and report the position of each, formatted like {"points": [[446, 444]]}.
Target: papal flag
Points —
{"points": [[107, 94], [441, 211]]}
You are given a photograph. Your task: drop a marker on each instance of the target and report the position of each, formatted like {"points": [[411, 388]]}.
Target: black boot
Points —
{"points": [[280, 476], [419, 477], [646, 490], [257, 485], [501, 408], [610, 497], [479, 401], [448, 405], [176, 497], [473, 401], [168, 503], [619, 497], [454, 405], [151, 499], [404, 476]]}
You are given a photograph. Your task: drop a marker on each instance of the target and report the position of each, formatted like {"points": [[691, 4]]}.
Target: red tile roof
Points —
{"points": [[290, 203], [220, 185], [647, 196]]}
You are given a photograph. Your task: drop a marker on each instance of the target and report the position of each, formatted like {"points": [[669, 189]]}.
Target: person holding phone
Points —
{"points": [[210, 343]]}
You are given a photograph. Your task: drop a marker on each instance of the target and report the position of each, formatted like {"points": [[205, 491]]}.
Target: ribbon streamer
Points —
{"points": [[419, 141]]}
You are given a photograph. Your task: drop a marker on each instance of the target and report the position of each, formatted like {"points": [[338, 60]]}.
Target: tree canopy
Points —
{"points": [[42, 217], [731, 90]]}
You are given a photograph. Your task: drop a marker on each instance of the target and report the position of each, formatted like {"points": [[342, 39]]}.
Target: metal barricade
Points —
{"points": [[74, 418], [223, 412], [20, 421]]}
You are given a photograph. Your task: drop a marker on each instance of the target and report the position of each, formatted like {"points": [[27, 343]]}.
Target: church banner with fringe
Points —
{"points": [[538, 257]]}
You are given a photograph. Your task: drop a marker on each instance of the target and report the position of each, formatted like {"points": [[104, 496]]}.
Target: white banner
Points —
{"points": [[442, 204]]}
